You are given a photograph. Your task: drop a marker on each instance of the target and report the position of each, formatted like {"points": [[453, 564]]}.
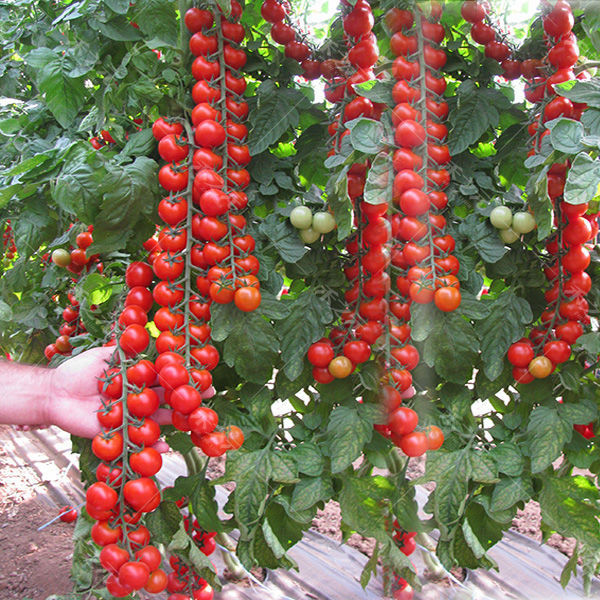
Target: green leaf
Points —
{"points": [[376, 91], [483, 237], [566, 135], [347, 433], [378, 187], [370, 568], [570, 569], [157, 19], [140, 143], [284, 238], [509, 491], [64, 95], [271, 117], [118, 29], [587, 92], [366, 135], [578, 413], [204, 505], [582, 179], [308, 316], [590, 342], [591, 121], [547, 434], [570, 506], [119, 6], [451, 347], [470, 119], [509, 459], [508, 316], [483, 467], [360, 504], [251, 472], [97, 289], [451, 471], [287, 531], [5, 312], [309, 458], [164, 522], [311, 490], [252, 348]]}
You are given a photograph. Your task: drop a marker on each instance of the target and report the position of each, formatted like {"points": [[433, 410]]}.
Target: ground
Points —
{"points": [[36, 564]]}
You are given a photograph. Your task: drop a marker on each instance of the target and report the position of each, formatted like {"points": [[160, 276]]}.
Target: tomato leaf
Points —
{"points": [[251, 472], [451, 471], [570, 505], [509, 491], [347, 433], [547, 434], [204, 505], [309, 459], [471, 117], [271, 117], [366, 135], [251, 347], [483, 237], [509, 459], [376, 91], [304, 325], [590, 342], [370, 568], [157, 19], [378, 188], [164, 522], [284, 238], [64, 95], [587, 92], [359, 503], [504, 325], [565, 135], [591, 121], [582, 179], [311, 490]]}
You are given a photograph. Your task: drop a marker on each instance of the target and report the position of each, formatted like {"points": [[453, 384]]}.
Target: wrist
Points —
{"points": [[48, 385]]}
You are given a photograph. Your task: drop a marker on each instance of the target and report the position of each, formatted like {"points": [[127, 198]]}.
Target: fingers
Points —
{"points": [[409, 393], [161, 447], [162, 416], [208, 393]]}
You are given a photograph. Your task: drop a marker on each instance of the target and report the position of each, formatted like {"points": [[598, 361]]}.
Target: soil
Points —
{"points": [[35, 564]]}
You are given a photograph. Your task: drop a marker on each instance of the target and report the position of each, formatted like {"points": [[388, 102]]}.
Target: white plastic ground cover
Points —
{"points": [[327, 569]]}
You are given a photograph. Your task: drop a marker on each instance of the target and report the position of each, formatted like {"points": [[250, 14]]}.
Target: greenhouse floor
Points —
{"points": [[327, 569]]}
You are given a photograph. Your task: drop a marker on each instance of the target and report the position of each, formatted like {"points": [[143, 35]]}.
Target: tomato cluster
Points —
{"points": [[71, 326], [183, 576], [283, 33], [422, 251], [549, 344], [125, 488], [222, 249], [8, 241], [402, 421], [367, 308], [75, 260]]}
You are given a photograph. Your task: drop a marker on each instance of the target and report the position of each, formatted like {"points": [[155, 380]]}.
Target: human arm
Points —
{"points": [[66, 396]]}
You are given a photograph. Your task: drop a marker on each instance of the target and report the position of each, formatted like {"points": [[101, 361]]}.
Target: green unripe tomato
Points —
{"points": [[523, 222], [61, 257], [508, 236], [309, 235], [501, 217], [323, 222], [301, 217]]}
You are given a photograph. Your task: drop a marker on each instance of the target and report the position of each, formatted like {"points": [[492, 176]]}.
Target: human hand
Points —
{"points": [[73, 398]]}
